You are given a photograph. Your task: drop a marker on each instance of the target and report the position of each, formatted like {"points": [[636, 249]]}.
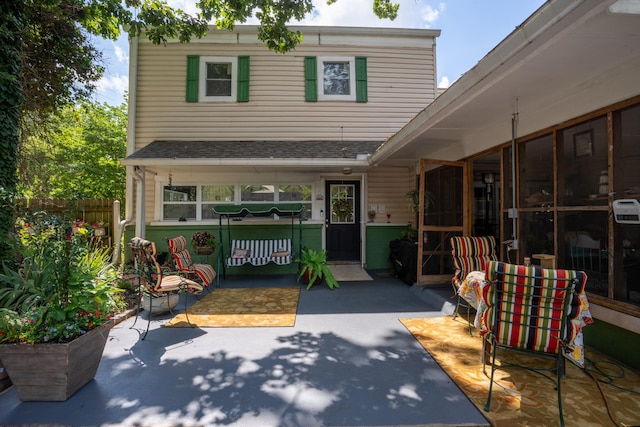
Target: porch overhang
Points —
{"points": [[568, 59], [235, 155]]}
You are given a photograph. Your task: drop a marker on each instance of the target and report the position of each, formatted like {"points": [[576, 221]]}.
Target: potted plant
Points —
{"points": [[203, 242], [80, 226], [314, 268], [57, 300], [98, 228]]}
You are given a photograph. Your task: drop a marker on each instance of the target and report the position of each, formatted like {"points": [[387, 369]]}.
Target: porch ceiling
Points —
{"points": [[569, 58]]}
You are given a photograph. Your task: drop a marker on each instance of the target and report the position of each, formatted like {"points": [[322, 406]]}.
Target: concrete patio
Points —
{"points": [[347, 362]]}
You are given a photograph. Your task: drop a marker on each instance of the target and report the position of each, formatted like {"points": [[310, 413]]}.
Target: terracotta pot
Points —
{"points": [[307, 276], [54, 372]]}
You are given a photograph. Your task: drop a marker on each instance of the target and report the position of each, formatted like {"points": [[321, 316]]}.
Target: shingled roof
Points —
{"points": [[256, 150]]}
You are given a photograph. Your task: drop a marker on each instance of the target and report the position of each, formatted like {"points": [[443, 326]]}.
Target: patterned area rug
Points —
{"points": [[521, 397], [242, 307]]}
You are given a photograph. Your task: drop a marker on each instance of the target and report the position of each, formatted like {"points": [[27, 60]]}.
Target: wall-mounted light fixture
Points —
{"points": [[488, 178], [346, 171]]}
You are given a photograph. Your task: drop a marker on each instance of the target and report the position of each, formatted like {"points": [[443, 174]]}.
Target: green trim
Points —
{"points": [[310, 79], [361, 79], [193, 71], [243, 79]]}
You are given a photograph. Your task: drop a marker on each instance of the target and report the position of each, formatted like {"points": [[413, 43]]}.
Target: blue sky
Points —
{"points": [[470, 29]]}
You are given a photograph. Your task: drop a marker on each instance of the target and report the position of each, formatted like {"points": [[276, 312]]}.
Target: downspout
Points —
{"points": [[512, 245], [132, 175]]}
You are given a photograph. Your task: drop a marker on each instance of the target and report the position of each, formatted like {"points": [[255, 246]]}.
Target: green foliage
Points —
{"points": [[59, 65], [47, 59], [11, 97], [75, 154], [59, 289], [409, 233], [203, 238], [314, 264]]}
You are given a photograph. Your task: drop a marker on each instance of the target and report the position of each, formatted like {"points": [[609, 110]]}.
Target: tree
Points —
{"points": [[76, 154], [44, 50]]}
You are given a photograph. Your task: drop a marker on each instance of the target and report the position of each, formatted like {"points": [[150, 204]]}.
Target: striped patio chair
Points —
{"points": [[469, 254], [530, 309], [200, 272], [153, 281]]}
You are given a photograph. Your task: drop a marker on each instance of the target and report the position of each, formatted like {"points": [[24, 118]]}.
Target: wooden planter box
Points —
{"points": [[54, 372], [5, 382]]}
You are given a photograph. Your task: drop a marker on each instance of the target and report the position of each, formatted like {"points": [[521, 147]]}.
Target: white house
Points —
{"points": [[534, 144]]}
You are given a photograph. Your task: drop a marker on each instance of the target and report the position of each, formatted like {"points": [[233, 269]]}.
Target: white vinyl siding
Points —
{"points": [[401, 82], [388, 186]]}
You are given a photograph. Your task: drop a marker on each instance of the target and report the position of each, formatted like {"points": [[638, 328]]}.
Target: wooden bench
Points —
{"points": [[260, 252]]}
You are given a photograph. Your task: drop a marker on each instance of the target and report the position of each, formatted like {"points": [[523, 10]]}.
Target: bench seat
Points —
{"points": [[260, 252]]}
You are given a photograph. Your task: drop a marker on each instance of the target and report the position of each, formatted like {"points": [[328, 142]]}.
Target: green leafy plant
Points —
{"points": [[59, 288], [409, 233], [414, 201], [314, 266], [203, 238]]}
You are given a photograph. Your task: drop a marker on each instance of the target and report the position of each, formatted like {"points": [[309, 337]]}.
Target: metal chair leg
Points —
{"points": [[487, 407]]}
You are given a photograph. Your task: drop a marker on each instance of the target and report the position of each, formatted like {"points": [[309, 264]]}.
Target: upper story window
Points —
{"points": [[217, 79], [335, 79]]}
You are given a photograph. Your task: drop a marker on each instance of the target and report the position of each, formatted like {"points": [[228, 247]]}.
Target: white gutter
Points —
{"points": [[157, 162]]}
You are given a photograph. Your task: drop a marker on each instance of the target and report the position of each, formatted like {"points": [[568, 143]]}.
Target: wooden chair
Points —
{"points": [[469, 254], [153, 281], [199, 272], [529, 309]]}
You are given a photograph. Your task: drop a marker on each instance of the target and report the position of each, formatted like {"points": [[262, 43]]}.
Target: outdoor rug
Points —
{"points": [[242, 307], [521, 397], [349, 272]]}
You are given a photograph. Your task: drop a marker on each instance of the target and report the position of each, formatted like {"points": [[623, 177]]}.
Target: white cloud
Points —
{"points": [[121, 54], [113, 84], [444, 82], [431, 15], [359, 13], [353, 13]]}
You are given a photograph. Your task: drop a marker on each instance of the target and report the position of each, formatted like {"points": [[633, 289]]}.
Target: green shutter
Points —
{"points": [[193, 67], [311, 81], [243, 79], [361, 79]]}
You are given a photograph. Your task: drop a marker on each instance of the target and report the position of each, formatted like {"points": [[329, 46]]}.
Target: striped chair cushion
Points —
{"points": [[178, 249], [530, 306], [260, 252], [471, 254], [182, 258], [151, 274]]}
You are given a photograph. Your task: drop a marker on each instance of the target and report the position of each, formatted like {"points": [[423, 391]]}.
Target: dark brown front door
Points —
{"points": [[342, 222]]}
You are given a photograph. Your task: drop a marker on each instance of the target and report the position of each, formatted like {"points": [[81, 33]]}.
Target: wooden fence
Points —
{"points": [[89, 210]]}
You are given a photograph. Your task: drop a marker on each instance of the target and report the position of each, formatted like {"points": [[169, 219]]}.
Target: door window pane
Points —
{"points": [[342, 204]]}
